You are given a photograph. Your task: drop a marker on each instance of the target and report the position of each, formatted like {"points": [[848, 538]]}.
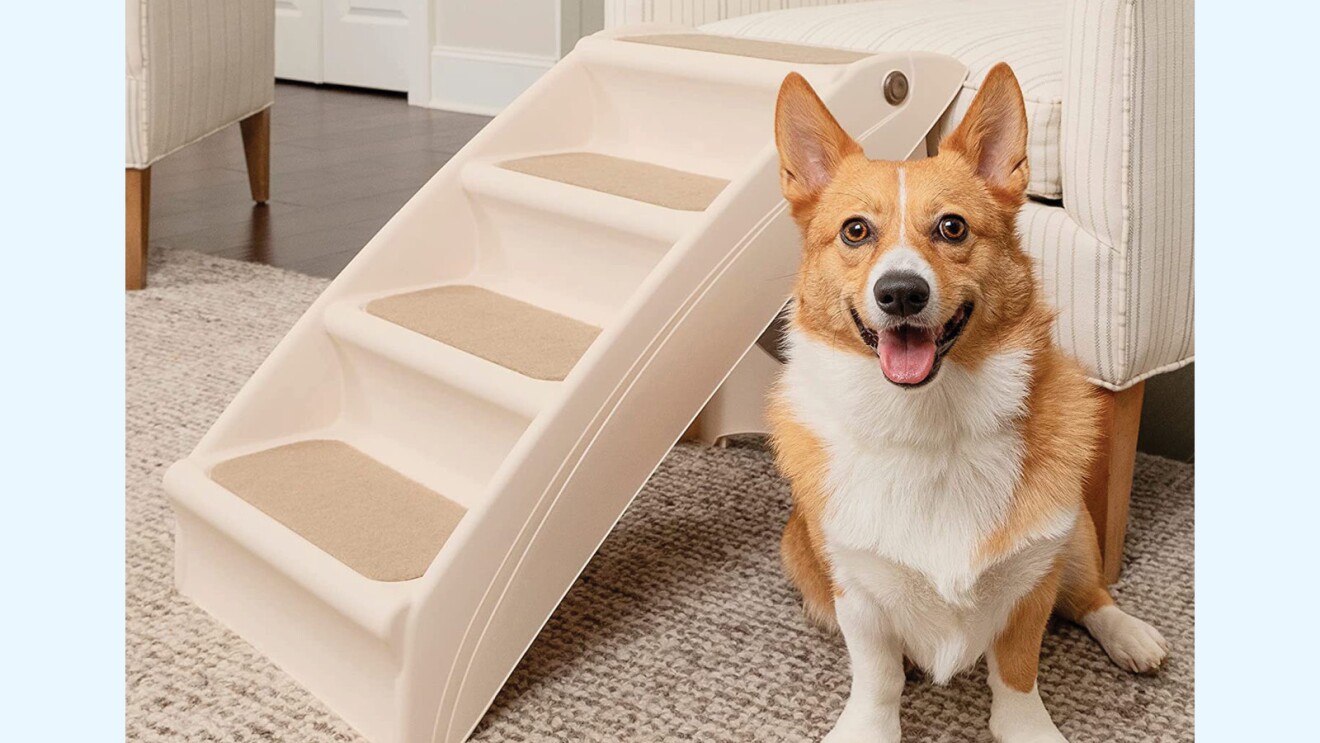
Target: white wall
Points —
{"points": [[511, 26], [486, 53]]}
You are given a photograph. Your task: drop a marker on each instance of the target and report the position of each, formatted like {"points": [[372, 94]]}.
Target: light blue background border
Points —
{"points": [[62, 372], [1258, 292]]}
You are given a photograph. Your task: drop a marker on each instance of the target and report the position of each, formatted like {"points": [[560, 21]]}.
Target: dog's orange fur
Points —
{"points": [[1017, 649], [980, 173], [803, 461]]}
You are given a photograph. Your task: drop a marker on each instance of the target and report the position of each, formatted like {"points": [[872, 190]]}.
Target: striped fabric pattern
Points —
{"points": [[696, 12], [1078, 275], [194, 67], [1028, 34], [1128, 180], [1116, 147]]}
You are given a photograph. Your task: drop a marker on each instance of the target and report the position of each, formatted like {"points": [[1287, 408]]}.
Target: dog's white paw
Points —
{"points": [[856, 734], [860, 726], [1130, 642], [849, 734], [1052, 735], [1020, 717]]}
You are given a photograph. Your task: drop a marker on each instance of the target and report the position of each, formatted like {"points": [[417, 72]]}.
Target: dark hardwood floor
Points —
{"points": [[342, 163]]}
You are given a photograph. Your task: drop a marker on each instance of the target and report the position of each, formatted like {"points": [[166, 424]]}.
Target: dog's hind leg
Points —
{"points": [[1083, 598], [808, 572]]}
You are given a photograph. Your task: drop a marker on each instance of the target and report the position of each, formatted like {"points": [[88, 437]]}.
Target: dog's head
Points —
{"points": [[912, 262]]}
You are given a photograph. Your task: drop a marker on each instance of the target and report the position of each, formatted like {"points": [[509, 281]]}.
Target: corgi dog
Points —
{"points": [[935, 438]]}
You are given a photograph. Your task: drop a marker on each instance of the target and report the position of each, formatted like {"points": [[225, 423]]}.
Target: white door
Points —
{"points": [[365, 43], [298, 40]]}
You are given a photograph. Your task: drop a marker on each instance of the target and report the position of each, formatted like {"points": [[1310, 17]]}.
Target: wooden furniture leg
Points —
{"points": [[256, 148], [1109, 486], [137, 193]]}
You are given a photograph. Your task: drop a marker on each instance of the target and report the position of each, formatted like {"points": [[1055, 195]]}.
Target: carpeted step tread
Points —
{"points": [[631, 179], [359, 511], [527, 339]]}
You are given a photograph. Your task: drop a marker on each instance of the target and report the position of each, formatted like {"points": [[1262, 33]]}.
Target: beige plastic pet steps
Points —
{"points": [[395, 503]]}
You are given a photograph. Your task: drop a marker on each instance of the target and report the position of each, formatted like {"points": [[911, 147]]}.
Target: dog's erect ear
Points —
{"points": [[993, 134], [811, 143]]}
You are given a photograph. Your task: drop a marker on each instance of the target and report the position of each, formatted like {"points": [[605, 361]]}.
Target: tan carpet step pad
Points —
{"points": [[738, 47], [362, 513], [631, 179], [530, 340]]}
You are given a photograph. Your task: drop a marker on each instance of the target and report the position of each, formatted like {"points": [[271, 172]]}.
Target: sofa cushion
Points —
{"points": [[1027, 34]]}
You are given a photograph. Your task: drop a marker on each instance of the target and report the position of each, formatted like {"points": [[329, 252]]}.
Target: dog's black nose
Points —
{"points": [[901, 293]]}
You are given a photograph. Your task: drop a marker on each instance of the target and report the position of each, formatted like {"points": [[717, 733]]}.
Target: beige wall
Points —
{"points": [[579, 18], [484, 53], [525, 27]]}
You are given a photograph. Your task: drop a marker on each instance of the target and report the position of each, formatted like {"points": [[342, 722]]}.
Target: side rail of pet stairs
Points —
{"points": [[398, 499]]}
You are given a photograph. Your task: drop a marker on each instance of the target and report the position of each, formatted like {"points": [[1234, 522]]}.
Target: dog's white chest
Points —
{"points": [[940, 633], [906, 526], [918, 481], [928, 509]]}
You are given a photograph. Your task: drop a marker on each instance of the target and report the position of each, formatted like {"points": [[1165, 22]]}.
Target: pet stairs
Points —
{"points": [[397, 500]]}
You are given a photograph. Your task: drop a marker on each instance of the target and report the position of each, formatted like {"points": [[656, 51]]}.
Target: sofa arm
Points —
{"points": [[1127, 168], [194, 66]]}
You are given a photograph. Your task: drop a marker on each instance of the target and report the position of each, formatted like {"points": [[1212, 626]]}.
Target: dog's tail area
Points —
{"points": [[808, 572]]}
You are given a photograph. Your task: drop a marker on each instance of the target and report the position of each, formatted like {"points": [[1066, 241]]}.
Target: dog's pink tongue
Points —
{"points": [[906, 355]]}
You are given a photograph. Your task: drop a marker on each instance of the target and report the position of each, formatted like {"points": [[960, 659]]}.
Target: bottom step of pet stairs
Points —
{"points": [[357, 510], [397, 500]]}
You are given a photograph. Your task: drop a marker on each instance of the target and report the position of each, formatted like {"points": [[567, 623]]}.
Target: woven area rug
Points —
{"points": [[682, 627]]}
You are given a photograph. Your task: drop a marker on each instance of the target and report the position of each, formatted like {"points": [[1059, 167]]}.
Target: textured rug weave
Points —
{"points": [[681, 628]]}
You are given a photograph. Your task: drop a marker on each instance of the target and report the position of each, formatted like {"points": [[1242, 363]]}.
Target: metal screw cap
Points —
{"points": [[896, 88]]}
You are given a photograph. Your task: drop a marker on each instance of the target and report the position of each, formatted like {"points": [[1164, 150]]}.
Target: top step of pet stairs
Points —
{"points": [[397, 500]]}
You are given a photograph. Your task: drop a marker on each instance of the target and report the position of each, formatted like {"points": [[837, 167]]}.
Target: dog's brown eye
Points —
{"points": [[952, 228], [855, 231]]}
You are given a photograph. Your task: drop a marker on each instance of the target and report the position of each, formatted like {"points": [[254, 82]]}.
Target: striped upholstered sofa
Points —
{"points": [[194, 67], [1108, 85]]}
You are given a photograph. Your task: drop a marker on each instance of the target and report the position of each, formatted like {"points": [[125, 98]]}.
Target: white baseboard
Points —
{"points": [[478, 81]]}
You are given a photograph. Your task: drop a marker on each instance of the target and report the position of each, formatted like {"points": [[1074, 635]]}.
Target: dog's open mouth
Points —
{"points": [[911, 354]]}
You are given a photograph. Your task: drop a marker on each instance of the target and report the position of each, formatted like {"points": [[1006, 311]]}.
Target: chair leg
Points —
{"points": [[256, 148], [1109, 486], [137, 193]]}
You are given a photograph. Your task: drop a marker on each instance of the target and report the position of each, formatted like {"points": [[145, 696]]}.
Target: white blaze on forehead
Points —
{"points": [[902, 258], [902, 206]]}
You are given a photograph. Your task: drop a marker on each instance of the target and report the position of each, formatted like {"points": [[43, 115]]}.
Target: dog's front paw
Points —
{"points": [[856, 734], [849, 734], [1130, 642], [1018, 730], [865, 726], [1020, 716], [1040, 736]]}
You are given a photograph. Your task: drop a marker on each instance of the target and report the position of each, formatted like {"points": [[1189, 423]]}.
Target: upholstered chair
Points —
{"points": [[194, 67]]}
